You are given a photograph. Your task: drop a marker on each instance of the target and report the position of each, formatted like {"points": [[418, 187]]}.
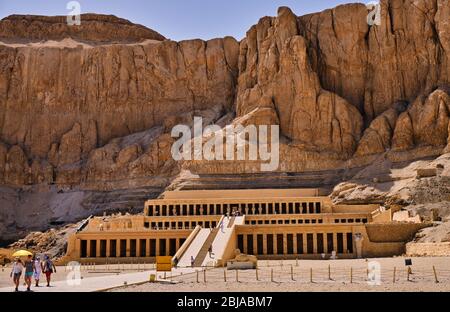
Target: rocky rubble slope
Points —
{"points": [[90, 108], [420, 187]]}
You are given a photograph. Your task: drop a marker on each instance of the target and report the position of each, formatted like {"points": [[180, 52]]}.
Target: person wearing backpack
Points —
{"points": [[48, 268]]}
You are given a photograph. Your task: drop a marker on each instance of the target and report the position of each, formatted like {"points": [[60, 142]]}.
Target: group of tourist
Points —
{"points": [[33, 268]]}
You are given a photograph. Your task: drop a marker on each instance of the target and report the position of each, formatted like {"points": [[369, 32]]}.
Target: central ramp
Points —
{"points": [[224, 243], [194, 248], [221, 241]]}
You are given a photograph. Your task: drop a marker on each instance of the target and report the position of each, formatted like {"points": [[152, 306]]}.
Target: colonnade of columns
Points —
{"points": [[128, 247], [243, 208], [180, 225], [295, 243]]}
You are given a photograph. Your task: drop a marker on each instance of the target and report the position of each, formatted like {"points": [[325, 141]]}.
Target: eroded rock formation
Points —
{"points": [[58, 103], [275, 72], [95, 28], [91, 107]]}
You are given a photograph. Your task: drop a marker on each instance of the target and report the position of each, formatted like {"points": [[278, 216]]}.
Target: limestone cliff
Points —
{"points": [[94, 28], [61, 100], [89, 108]]}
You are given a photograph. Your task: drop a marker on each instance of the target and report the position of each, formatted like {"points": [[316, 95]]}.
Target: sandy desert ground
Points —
{"points": [[422, 278], [287, 276]]}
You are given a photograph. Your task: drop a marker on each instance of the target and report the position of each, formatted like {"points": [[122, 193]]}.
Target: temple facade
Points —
{"points": [[268, 223]]}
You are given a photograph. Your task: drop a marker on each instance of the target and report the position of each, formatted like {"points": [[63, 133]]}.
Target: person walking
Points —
{"points": [[16, 272], [221, 227], [210, 251], [29, 270], [37, 270], [192, 261], [48, 268]]}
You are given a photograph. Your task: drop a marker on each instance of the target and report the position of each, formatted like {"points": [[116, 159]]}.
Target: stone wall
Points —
{"points": [[428, 249]]}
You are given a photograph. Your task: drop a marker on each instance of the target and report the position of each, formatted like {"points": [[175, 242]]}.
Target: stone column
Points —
{"points": [[265, 244], [275, 243], [305, 243], [325, 243], [285, 251], [255, 244], [157, 247], [138, 247], [128, 247], [88, 246], [97, 249], [147, 248], [108, 248], [358, 238], [315, 243], [344, 241], [335, 242], [294, 242], [245, 244]]}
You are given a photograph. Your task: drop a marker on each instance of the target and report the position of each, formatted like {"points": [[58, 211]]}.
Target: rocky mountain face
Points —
{"points": [[65, 110], [95, 28], [89, 108]]}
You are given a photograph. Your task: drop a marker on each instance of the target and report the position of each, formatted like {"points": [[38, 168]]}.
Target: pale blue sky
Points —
{"points": [[177, 19]]}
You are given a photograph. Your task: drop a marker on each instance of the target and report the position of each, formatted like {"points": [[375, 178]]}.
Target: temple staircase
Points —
{"points": [[222, 239], [204, 250]]}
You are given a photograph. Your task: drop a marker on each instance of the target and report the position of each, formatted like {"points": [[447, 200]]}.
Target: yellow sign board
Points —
{"points": [[163, 263]]}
